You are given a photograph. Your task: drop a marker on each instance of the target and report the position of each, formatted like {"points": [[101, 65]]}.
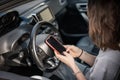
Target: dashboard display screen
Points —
{"points": [[46, 15]]}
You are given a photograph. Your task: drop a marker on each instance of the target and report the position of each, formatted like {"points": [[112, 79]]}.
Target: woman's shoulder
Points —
{"points": [[109, 52]]}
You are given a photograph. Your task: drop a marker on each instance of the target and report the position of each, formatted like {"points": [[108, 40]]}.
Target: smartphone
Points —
{"points": [[55, 44]]}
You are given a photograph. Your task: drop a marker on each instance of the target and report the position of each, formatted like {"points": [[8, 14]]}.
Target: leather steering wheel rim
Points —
{"points": [[32, 45]]}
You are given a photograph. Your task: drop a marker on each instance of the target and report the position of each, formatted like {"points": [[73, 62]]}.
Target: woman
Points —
{"points": [[104, 28]]}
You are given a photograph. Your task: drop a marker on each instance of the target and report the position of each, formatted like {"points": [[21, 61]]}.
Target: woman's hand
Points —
{"points": [[73, 50], [69, 61], [66, 58]]}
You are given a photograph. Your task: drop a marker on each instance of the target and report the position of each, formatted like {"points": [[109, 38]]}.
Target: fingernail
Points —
{"points": [[67, 51]]}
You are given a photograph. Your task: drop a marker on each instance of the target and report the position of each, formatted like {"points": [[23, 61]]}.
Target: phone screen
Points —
{"points": [[55, 44]]}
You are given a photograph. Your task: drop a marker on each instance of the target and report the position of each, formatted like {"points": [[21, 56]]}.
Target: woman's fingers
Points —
{"points": [[69, 47], [65, 53], [58, 55], [66, 46]]}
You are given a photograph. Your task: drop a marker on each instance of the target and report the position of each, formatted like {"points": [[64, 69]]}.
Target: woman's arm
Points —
{"points": [[77, 52], [76, 71], [69, 61], [88, 58]]}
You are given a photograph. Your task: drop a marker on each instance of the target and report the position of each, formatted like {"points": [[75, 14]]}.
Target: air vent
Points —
{"points": [[62, 2], [82, 7]]}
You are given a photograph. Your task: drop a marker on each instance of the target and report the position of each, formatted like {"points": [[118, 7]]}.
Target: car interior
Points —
{"points": [[24, 26]]}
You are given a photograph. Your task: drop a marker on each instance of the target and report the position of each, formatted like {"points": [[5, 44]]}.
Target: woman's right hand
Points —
{"points": [[66, 59], [73, 50]]}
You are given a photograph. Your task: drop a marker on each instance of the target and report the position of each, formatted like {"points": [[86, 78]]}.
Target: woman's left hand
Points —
{"points": [[66, 58]]}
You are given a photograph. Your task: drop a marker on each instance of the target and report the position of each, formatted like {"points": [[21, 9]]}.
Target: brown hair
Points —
{"points": [[104, 23]]}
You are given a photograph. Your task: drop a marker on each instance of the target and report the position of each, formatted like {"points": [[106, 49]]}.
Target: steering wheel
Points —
{"points": [[41, 53]]}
